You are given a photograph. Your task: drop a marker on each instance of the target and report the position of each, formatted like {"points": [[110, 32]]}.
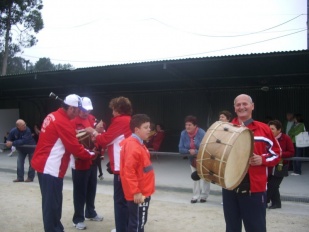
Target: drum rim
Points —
{"points": [[201, 151]]}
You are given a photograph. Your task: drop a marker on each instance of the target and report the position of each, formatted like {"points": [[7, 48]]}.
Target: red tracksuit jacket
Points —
{"points": [[79, 124], [57, 142], [267, 146], [116, 132], [136, 172]]}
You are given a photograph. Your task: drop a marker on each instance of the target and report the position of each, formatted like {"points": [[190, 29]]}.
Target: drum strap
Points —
{"points": [[246, 123], [244, 187]]}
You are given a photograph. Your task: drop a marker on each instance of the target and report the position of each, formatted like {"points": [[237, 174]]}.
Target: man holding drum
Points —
{"points": [[247, 202], [84, 173]]}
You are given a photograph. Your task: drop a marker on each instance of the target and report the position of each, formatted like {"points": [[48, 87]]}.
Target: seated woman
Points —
{"points": [[156, 137]]}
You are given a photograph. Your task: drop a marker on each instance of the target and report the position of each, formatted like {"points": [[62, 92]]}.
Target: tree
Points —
{"points": [[20, 65], [63, 66], [44, 64], [14, 64], [26, 18]]}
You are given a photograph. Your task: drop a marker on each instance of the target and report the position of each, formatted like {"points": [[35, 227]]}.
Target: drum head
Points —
{"points": [[224, 153], [81, 134], [85, 140], [238, 160]]}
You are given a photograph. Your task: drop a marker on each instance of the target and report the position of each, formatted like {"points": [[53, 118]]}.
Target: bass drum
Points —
{"points": [[223, 156], [85, 140]]}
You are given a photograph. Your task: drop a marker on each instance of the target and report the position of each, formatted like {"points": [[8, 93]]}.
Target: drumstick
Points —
{"points": [[54, 96]]}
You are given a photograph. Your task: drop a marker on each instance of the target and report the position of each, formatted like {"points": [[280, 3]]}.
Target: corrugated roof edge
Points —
{"points": [[159, 61]]}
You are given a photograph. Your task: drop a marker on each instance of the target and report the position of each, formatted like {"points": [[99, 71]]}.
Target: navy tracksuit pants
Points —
{"points": [[251, 209], [84, 192], [120, 206], [51, 190], [273, 193], [138, 214]]}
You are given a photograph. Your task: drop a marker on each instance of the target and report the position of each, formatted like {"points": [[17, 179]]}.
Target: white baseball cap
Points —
{"points": [[86, 104], [73, 100]]}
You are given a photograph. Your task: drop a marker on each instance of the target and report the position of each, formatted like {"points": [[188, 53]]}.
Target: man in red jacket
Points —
{"points": [[136, 172], [51, 158], [247, 203], [84, 174], [118, 130]]}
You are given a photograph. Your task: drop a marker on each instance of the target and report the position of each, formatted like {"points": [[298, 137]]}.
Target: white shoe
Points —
{"points": [[96, 218], [113, 230], [294, 174], [80, 226]]}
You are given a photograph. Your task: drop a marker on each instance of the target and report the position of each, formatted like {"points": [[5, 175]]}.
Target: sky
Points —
{"points": [[102, 32]]}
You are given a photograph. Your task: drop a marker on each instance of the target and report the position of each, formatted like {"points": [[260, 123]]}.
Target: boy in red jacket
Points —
{"points": [[136, 172]]}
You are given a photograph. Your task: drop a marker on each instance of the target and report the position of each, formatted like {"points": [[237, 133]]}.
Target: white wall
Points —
{"points": [[8, 118]]}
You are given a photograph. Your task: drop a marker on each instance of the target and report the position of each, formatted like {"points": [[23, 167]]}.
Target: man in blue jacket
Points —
{"points": [[19, 136]]}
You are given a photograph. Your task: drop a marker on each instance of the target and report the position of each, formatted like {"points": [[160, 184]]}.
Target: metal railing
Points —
{"points": [[177, 154], [158, 153]]}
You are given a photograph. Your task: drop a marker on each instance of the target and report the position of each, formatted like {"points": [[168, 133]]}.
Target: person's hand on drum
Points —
{"points": [[89, 130], [92, 132], [100, 127], [255, 160]]}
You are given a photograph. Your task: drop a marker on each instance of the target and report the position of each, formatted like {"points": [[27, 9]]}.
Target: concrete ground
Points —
{"points": [[170, 208], [173, 174]]}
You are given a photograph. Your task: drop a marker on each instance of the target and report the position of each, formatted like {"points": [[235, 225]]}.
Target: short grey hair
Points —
{"points": [[250, 99]]}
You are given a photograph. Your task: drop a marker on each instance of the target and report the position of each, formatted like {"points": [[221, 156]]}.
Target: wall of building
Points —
{"points": [[170, 108]]}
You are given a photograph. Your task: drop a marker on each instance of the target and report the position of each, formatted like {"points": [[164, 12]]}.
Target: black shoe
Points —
{"points": [[274, 207], [193, 201], [203, 200]]}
